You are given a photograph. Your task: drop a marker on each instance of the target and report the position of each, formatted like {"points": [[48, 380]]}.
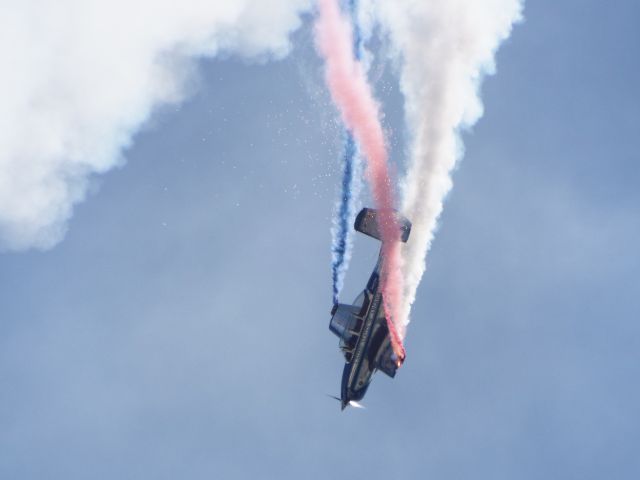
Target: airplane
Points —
{"points": [[362, 326]]}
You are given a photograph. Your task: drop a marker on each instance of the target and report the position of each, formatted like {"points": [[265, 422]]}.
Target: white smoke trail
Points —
{"points": [[81, 76], [445, 47]]}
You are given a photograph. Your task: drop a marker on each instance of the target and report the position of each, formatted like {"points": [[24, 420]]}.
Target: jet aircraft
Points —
{"points": [[362, 326]]}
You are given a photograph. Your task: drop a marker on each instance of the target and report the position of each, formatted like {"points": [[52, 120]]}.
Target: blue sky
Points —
{"points": [[180, 330]]}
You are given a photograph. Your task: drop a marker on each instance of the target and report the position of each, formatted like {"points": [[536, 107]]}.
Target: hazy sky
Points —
{"points": [[180, 330]]}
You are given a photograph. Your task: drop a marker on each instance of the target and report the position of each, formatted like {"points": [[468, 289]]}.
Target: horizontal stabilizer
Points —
{"points": [[367, 223], [344, 320]]}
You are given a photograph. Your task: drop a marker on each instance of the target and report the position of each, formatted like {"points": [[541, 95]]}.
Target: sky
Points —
{"points": [[180, 328]]}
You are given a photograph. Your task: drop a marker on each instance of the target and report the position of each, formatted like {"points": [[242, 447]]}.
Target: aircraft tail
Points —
{"points": [[367, 223]]}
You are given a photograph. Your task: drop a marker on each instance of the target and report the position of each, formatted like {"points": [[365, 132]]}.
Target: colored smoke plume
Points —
{"points": [[352, 94], [342, 233]]}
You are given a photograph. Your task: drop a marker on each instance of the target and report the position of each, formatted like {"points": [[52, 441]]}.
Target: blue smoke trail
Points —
{"points": [[350, 187], [357, 33], [345, 212]]}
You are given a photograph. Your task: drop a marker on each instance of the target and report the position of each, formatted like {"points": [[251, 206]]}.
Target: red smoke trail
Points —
{"points": [[350, 91]]}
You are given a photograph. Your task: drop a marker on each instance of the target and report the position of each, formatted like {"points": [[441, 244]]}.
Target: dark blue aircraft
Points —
{"points": [[362, 327]]}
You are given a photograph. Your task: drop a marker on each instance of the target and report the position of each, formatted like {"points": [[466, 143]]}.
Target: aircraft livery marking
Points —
{"points": [[365, 335]]}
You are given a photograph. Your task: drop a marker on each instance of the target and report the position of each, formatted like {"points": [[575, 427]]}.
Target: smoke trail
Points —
{"points": [[345, 214], [446, 47], [342, 235], [351, 93], [83, 76]]}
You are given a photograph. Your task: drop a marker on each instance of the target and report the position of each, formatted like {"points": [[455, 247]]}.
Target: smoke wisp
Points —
{"points": [[83, 75]]}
